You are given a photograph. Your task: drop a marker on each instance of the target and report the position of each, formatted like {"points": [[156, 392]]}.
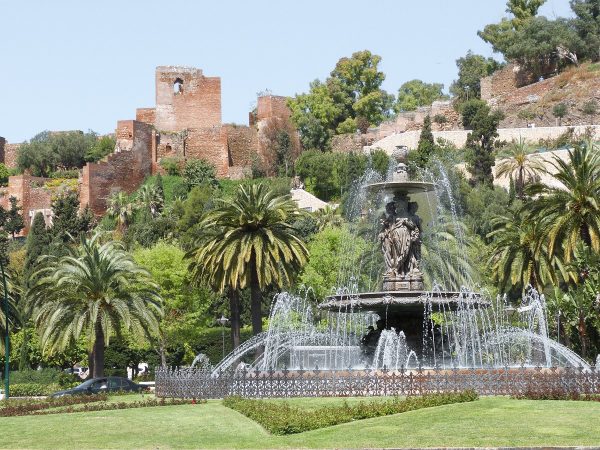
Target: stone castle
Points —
{"points": [[185, 123]]}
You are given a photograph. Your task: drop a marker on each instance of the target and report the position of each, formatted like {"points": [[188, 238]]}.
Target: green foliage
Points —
{"points": [[101, 148], [46, 152], [186, 307], [483, 122], [471, 68], [197, 172], [32, 389], [68, 223], [95, 291], [560, 110], [281, 418], [590, 108], [481, 205], [171, 165], [37, 244], [425, 149], [416, 93], [4, 174], [587, 24], [330, 250], [351, 94]]}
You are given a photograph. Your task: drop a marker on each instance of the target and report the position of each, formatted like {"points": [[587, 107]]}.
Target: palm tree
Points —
{"points": [[150, 199], [521, 165], [519, 256], [328, 217], [248, 242], [96, 290], [120, 208], [445, 256], [571, 213]]}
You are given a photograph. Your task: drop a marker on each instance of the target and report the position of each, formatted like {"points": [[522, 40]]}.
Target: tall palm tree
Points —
{"points": [[571, 213], [520, 164], [248, 242], [96, 290], [120, 208], [519, 256]]}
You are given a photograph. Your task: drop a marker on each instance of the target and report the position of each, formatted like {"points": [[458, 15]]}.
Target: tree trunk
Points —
{"points": [[256, 306], [582, 329], [256, 301], [91, 364], [99, 352], [234, 320]]}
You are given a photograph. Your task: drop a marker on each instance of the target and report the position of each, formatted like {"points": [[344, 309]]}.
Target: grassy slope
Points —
{"points": [[486, 422]]}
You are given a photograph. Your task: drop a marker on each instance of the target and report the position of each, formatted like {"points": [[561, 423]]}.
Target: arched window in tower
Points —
{"points": [[178, 86]]}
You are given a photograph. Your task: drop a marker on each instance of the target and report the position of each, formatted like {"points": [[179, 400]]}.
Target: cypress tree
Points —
{"points": [[38, 244]]}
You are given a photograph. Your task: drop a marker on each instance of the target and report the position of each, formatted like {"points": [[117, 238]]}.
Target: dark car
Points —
{"points": [[103, 384]]}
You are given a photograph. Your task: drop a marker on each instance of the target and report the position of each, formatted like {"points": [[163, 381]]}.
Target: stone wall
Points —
{"points": [[2, 144], [459, 137], [123, 170], [171, 144], [185, 98]]}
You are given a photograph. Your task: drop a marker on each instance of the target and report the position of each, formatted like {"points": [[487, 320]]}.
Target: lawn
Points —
{"points": [[485, 422]]}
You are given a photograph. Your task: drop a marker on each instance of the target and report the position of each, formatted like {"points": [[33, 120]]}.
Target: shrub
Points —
{"points": [[197, 172], [33, 389], [171, 166], [42, 376], [284, 419]]}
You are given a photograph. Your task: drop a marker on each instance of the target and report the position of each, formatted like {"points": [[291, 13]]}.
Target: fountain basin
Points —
{"points": [[406, 187], [403, 301]]}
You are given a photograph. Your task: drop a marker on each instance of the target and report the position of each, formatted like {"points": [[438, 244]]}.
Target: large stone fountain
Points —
{"points": [[401, 302]]}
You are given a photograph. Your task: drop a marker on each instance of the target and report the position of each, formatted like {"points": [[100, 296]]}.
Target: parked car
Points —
{"points": [[103, 384]]}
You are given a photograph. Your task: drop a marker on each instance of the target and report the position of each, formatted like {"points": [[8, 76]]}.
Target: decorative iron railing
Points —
{"points": [[200, 384]]}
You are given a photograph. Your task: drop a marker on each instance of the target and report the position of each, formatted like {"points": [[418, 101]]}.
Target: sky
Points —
{"points": [[80, 65]]}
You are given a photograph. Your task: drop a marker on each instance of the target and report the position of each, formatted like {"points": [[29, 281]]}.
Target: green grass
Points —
{"points": [[485, 422]]}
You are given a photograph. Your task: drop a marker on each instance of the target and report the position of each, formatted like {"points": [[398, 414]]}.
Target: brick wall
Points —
{"points": [[123, 170], [196, 105], [272, 106], [346, 143], [146, 115], [171, 144], [209, 144], [242, 144], [32, 196]]}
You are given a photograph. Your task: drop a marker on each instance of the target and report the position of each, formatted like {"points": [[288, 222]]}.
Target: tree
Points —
{"points": [[559, 111], [471, 68], [46, 152], [37, 245], [590, 108], [426, 147], [199, 171], [121, 208], [570, 213], [13, 220], [331, 250], [249, 242], [97, 290], [150, 200], [328, 217], [4, 174], [68, 223], [351, 94], [519, 256], [281, 146], [99, 149], [522, 166], [416, 93], [587, 24], [483, 122], [186, 307]]}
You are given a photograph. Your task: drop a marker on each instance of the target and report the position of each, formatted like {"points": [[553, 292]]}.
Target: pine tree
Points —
{"points": [[425, 149], [68, 223]]}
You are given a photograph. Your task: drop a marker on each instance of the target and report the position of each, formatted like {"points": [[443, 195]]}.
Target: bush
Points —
{"points": [[171, 166], [33, 389], [42, 376], [197, 172], [284, 419]]}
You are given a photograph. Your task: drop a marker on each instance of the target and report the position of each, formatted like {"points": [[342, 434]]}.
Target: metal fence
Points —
{"points": [[199, 384]]}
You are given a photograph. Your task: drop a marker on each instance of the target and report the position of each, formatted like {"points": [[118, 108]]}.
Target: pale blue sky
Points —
{"points": [[84, 65]]}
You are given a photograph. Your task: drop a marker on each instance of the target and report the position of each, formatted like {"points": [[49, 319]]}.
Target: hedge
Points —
{"points": [[282, 419]]}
